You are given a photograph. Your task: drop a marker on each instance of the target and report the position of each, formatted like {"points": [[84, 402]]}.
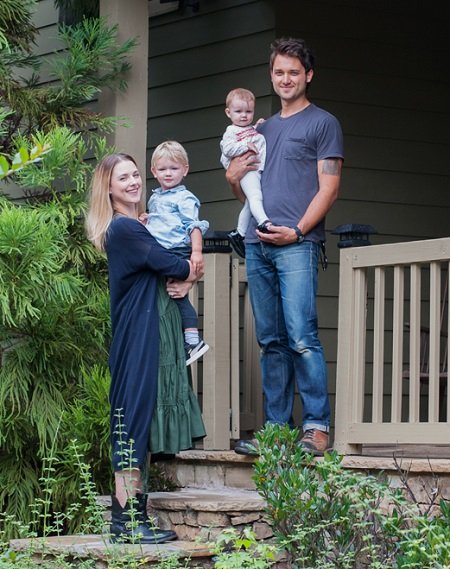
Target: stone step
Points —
{"points": [[205, 512], [210, 469], [197, 515], [78, 548]]}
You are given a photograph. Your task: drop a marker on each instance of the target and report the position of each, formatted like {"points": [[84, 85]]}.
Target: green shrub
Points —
{"points": [[54, 313], [327, 517], [241, 550], [427, 542]]}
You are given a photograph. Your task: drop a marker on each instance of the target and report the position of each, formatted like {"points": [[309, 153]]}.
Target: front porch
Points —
{"points": [[392, 395]]}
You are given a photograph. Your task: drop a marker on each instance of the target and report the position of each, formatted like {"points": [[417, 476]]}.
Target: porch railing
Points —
{"points": [[227, 380], [390, 295]]}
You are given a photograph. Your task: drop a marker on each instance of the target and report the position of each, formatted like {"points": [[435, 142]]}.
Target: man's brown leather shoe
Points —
{"points": [[315, 442]]}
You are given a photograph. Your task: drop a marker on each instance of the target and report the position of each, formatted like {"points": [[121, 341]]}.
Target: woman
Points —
{"points": [[136, 265]]}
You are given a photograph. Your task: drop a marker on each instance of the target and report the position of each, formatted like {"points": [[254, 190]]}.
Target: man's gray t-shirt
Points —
{"points": [[290, 180]]}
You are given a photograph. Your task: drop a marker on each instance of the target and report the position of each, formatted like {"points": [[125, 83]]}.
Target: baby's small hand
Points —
{"points": [[259, 121], [143, 217], [197, 262]]}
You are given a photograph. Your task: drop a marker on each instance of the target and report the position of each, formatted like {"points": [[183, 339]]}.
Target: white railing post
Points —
{"points": [[347, 388], [398, 326], [234, 351], [217, 361]]}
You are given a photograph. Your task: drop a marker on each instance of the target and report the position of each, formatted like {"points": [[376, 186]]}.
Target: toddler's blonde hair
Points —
{"points": [[170, 149]]}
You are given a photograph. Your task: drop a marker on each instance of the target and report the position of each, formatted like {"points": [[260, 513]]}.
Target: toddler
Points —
{"points": [[240, 137], [173, 221]]}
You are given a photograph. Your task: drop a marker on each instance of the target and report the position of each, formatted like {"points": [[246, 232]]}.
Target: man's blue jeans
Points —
{"points": [[283, 286]]}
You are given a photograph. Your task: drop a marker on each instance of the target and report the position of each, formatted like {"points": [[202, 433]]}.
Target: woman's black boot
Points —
{"points": [[129, 524]]}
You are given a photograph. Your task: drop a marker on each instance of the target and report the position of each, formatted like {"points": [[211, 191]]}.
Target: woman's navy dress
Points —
{"points": [[136, 263]]}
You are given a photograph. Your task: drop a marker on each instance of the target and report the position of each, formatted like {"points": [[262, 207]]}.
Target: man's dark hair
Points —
{"points": [[292, 47]]}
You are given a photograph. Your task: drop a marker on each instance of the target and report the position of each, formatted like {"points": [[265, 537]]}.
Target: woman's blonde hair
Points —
{"points": [[100, 211], [170, 149]]}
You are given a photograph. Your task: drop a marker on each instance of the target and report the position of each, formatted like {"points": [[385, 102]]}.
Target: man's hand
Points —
{"points": [[241, 165], [279, 235]]}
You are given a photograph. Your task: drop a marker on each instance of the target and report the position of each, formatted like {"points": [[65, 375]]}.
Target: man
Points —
{"points": [[300, 183]]}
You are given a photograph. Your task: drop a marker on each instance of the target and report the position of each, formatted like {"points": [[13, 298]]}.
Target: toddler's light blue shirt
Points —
{"points": [[172, 215]]}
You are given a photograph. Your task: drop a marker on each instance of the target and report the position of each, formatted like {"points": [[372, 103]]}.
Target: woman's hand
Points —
{"points": [[178, 289]]}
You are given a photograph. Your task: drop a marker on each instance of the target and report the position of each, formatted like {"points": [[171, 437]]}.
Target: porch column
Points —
{"points": [[132, 20]]}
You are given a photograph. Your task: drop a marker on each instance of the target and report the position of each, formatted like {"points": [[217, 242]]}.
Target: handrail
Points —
{"points": [[378, 285]]}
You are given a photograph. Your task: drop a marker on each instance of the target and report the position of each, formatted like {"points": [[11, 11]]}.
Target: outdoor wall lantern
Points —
{"points": [[216, 242], [353, 235]]}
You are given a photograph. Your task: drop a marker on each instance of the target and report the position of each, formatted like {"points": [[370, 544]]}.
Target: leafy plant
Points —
{"points": [[49, 330], [54, 321], [22, 158], [329, 517], [427, 543], [234, 550], [93, 60], [47, 520], [16, 27]]}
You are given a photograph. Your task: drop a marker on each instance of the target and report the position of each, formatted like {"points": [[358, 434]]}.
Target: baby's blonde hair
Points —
{"points": [[170, 149], [239, 93]]}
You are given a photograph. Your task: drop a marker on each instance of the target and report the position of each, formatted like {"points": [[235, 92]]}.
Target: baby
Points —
{"points": [[240, 137], [173, 221]]}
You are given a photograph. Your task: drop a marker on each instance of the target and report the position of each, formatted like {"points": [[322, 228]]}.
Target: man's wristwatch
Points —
{"points": [[298, 232]]}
